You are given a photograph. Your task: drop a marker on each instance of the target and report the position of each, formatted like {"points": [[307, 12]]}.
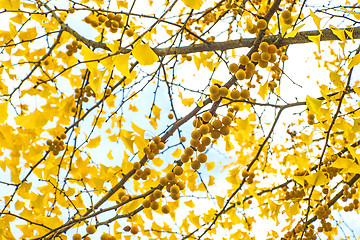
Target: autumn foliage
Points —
{"points": [[179, 119]]}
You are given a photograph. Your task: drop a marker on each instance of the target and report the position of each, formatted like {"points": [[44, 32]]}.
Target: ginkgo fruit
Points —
{"points": [[261, 24], [91, 229], [147, 171], [160, 145], [214, 89], [215, 134], [255, 57], [195, 165], [184, 158], [233, 67], [134, 230], [170, 176], [245, 93], [129, 32], [223, 91], [174, 189], [204, 129], [181, 185], [124, 198], [240, 74], [163, 181], [244, 60], [265, 56], [285, 14], [225, 130], [171, 116], [263, 64], [206, 116], [178, 170], [195, 134], [264, 46], [165, 209], [111, 237], [157, 193], [215, 97], [205, 140], [189, 151], [146, 203], [182, 139], [226, 120], [272, 49], [202, 158], [77, 236], [136, 165], [235, 94], [154, 205], [104, 236]]}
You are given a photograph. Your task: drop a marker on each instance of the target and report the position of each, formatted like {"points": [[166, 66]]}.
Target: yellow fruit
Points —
{"points": [[154, 205], [117, 18], [146, 203], [91, 229], [184, 158], [181, 185], [240, 74], [104, 236], [194, 142], [195, 165], [206, 116], [245, 93], [235, 94], [255, 57], [272, 49], [264, 46], [114, 24], [150, 155], [286, 14], [136, 165], [250, 67], [171, 116], [163, 181], [174, 189], [124, 198], [139, 173], [202, 157], [165, 209], [77, 236], [244, 60], [195, 134], [88, 238], [182, 139], [170, 176], [217, 124], [310, 122], [206, 141], [263, 64], [134, 230], [178, 170], [197, 122], [204, 129], [226, 120], [261, 24], [201, 148], [214, 89], [265, 56], [112, 238], [288, 21], [284, 58], [233, 67], [273, 58], [153, 146], [223, 92], [111, 16], [215, 97], [157, 193], [175, 196], [156, 139], [129, 32], [215, 134], [189, 151], [311, 116], [225, 130], [161, 145]]}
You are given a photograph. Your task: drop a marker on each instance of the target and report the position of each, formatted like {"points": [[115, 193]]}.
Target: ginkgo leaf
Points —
{"points": [[186, 101], [144, 54], [10, 4], [211, 181], [194, 219], [313, 104], [177, 153], [3, 112], [36, 119], [317, 179], [220, 201], [316, 20], [189, 203], [355, 61], [340, 33], [194, 4], [94, 142], [210, 165], [294, 32], [347, 165], [121, 62], [156, 111], [316, 40]]}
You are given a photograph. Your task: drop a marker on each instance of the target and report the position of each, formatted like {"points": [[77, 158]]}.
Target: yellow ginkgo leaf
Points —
{"points": [[317, 179], [122, 64], [194, 4], [94, 142], [313, 104], [316, 40], [355, 61], [144, 54], [316, 20], [36, 119], [3, 111]]}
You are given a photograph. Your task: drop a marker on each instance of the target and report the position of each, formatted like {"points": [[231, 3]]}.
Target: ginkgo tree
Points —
{"points": [[179, 119]]}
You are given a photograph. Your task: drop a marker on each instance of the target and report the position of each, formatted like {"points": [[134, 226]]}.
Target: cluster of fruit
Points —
{"points": [[249, 176], [154, 147], [309, 233], [141, 174], [252, 28], [323, 212], [266, 54], [294, 193], [348, 193], [73, 47], [112, 21], [123, 196], [217, 91], [286, 16], [310, 118], [56, 145]]}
